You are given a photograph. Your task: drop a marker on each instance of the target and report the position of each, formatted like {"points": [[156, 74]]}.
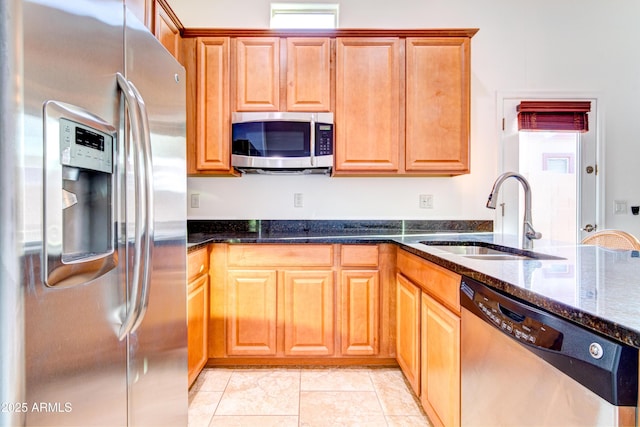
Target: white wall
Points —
{"points": [[568, 46]]}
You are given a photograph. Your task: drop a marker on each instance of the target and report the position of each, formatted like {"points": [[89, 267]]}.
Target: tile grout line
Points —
{"points": [[224, 390], [375, 389], [299, 398]]}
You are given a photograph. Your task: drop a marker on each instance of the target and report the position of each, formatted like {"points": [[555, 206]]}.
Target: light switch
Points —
{"points": [[620, 207], [195, 200]]}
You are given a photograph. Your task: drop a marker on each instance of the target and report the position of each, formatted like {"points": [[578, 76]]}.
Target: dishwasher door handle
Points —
{"points": [[516, 317]]}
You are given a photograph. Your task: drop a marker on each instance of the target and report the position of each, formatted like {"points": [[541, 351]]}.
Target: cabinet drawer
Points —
{"points": [[359, 256], [440, 283], [280, 255], [197, 263]]}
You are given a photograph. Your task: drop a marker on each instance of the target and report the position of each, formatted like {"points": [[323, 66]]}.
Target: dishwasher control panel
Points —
{"points": [[520, 326], [606, 367]]}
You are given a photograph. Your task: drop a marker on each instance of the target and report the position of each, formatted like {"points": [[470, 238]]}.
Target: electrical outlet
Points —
{"points": [[426, 201], [195, 200], [298, 200]]}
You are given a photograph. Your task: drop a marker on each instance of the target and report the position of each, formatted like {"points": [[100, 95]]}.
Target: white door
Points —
{"points": [[562, 170]]}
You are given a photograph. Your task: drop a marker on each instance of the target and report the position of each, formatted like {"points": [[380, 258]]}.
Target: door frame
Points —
{"points": [[513, 225]]}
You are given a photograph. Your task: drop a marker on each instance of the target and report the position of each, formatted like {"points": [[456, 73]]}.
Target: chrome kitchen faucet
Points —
{"points": [[528, 233]]}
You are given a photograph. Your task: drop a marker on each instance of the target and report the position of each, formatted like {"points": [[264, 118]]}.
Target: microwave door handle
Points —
{"points": [[312, 140]]}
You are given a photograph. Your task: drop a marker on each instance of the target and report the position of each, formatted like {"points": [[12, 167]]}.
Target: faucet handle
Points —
{"points": [[534, 235], [531, 233]]}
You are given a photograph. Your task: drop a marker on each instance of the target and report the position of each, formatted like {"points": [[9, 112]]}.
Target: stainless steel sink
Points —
{"points": [[487, 251]]}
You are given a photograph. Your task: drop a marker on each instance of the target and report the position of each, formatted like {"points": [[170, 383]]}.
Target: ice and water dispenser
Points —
{"points": [[79, 195]]}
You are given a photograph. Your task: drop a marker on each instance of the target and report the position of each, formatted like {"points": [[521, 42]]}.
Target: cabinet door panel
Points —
{"points": [[197, 319], [166, 31], [308, 74], [367, 104], [440, 386], [360, 307], [437, 105], [251, 312], [308, 313], [197, 263], [359, 255], [257, 74], [408, 330], [213, 134], [288, 255]]}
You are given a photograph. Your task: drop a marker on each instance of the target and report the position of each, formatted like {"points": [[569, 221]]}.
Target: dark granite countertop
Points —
{"points": [[593, 287]]}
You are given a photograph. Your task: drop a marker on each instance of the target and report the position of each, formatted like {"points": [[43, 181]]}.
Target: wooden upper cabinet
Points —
{"points": [[401, 99], [213, 118], [367, 104], [308, 74], [166, 31], [257, 73], [437, 105]]}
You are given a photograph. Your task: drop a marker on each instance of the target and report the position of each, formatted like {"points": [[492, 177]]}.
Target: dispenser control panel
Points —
{"points": [[85, 147]]}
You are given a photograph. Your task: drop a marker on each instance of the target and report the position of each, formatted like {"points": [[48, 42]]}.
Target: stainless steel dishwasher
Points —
{"points": [[522, 366]]}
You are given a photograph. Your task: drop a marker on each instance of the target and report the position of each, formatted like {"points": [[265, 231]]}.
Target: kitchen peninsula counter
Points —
{"points": [[591, 286]]}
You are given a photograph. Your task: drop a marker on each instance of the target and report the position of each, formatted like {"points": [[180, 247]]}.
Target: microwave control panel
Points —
{"points": [[324, 139]]}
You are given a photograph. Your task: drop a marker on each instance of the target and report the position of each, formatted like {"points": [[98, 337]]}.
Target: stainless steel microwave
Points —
{"points": [[276, 142]]}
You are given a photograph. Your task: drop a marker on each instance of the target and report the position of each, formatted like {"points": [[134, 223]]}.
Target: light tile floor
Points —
{"points": [[303, 397]]}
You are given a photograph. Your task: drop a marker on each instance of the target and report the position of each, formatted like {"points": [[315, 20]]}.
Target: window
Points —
{"points": [[304, 15], [558, 162]]}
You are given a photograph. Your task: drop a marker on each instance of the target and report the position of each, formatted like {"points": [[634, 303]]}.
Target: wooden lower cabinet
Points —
{"points": [[308, 313], [251, 312], [360, 313], [197, 312], [440, 363], [253, 301], [305, 302], [408, 330], [197, 309], [428, 337]]}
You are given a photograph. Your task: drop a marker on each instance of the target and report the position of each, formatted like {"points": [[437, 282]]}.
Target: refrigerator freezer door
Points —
{"points": [[11, 302], [75, 365], [158, 343]]}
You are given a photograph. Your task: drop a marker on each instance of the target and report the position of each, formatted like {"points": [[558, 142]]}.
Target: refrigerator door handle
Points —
{"points": [[133, 304], [148, 210]]}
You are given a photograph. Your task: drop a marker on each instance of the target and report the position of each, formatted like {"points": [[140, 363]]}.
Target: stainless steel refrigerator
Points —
{"points": [[92, 218]]}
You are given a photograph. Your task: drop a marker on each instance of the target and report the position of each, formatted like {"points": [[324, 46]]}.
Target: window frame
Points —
{"points": [[304, 9]]}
